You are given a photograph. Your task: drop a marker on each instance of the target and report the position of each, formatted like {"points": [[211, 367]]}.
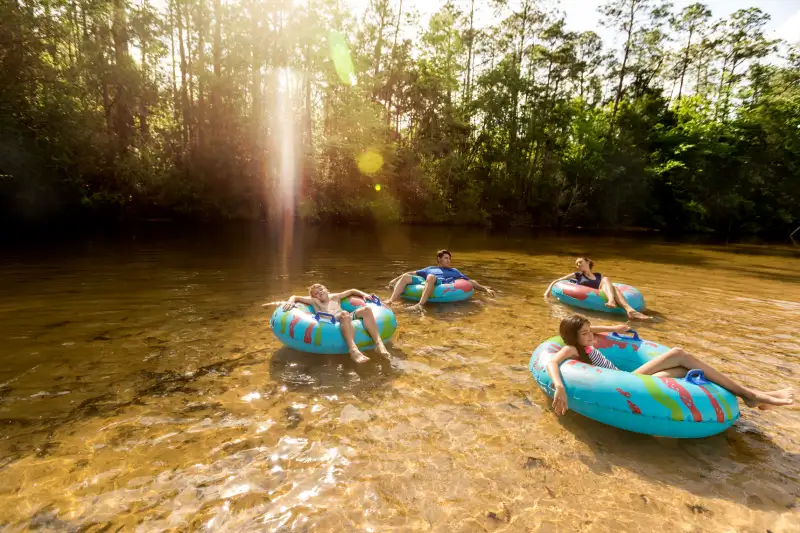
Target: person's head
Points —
{"points": [[584, 264], [443, 258], [318, 291], [576, 331]]}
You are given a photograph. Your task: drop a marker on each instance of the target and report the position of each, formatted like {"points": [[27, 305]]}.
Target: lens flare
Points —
{"points": [[369, 162], [282, 132], [378, 187], [340, 55]]}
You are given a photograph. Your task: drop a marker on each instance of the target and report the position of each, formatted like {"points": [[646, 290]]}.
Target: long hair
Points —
{"points": [[569, 330]]}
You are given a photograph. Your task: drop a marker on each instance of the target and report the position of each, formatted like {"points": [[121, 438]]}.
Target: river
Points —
{"points": [[141, 389]]}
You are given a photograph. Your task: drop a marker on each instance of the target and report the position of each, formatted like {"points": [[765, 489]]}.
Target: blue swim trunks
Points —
{"points": [[443, 275]]}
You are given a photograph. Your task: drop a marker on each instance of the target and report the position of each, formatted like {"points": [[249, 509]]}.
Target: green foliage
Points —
{"points": [[244, 109]]}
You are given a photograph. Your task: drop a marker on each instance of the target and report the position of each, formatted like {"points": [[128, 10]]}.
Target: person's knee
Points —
{"points": [[431, 278], [406, 279], [344, 317], [364, 312]]}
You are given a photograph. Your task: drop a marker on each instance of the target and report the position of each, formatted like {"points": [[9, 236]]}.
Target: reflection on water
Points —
{"points": [[140, 389]]}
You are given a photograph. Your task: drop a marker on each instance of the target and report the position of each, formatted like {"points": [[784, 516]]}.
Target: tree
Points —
{"points": [[691, 20]]}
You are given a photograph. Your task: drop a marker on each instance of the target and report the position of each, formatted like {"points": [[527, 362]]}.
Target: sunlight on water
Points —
{"points": [[141, 389]]}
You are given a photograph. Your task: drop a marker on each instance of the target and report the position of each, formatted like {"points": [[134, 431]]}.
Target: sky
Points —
{"points": [[583, 15]]}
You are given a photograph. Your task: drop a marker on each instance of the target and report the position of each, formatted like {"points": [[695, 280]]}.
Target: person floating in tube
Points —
{"points": [[433, 276], [595, 280]]}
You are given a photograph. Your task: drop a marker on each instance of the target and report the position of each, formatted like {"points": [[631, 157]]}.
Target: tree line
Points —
{"points": [[244, 109]]}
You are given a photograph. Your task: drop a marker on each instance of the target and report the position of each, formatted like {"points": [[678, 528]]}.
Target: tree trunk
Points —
{"points": [[471, 37], [685, 61], [379, 44], [144, 128], [512, 137], [190, 115], [391, 83], [175, 102], [735, 64], [215, 88], [719, 88], [124, 119], [184, 95], [100, 37], [201, 73], [618, 96]]}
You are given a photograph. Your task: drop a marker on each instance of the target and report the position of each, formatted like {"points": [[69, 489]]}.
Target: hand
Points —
{"points": [[289, 304], [489, 291], [560, 400]]}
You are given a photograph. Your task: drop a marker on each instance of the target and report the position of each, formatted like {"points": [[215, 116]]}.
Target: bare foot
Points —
{"points": [[381, 348], [765, 401], [418, 308], [636, 315], [358, 357], [611, 303], [786, 394], [388, 303], [783, 394]]}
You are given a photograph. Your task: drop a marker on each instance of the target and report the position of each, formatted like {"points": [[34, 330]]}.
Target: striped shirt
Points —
{"points": [[598, 359]]}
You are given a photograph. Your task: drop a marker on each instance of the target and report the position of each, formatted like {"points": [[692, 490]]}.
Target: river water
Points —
{"points": [[142, 390]]}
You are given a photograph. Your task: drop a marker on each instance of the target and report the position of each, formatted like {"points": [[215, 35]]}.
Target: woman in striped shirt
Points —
{"points": [[578, 335]]}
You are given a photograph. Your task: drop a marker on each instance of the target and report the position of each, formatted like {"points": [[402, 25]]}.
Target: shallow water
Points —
{"points": [[142, 390]]}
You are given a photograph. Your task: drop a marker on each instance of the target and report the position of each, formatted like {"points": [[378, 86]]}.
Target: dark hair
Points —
{"points": [[441, 254], [569, 329], [588, 260]]}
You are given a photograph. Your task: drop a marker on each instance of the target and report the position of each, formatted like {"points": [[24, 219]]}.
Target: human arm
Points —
{"points": [[302, 299], [562, 278], [554, 371], [487, 290], [619, 328], [350, 292]]}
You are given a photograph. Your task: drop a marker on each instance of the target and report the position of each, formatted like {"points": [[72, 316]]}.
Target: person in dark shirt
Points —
{"points": [[595, 280], [434, 275]]}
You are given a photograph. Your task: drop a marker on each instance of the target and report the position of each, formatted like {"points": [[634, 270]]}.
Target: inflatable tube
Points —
{"points": [[570, 293], [302, 329], [457, 291], [664, 407]]}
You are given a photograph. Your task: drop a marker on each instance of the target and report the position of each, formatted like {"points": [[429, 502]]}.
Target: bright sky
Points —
{"points": [[582, 15]]}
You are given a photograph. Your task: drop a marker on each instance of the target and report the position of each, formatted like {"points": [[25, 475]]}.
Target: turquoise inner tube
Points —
{"points": [[457, 291], [570, 293], [663, 407], [303, 329]]}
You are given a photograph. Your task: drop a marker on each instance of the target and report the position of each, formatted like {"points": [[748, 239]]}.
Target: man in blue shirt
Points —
{"points": [[434, 275]]}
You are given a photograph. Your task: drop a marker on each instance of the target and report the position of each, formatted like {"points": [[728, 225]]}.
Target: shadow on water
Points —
{"points": [[711, 467], [600, 317], [331, 374], [442, 311]]}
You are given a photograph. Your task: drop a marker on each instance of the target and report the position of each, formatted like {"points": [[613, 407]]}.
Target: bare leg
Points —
{"points": [[608, 287], [678, 357], [349, 337], [368, 318], [430, 285], [399, 287]]}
